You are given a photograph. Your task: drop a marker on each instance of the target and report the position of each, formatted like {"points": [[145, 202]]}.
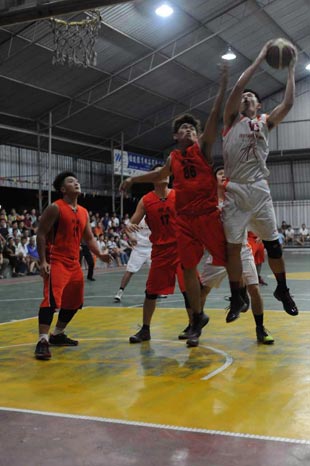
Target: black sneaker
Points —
{"points": [[194, 332], [184, 335], [237, 305], [142, 335], [263, 336], [288, 303], [42, 350], [62, 340]]}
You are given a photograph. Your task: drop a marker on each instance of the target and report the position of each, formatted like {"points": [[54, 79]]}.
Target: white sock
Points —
{"points": [[43, 336], [58, 331]]}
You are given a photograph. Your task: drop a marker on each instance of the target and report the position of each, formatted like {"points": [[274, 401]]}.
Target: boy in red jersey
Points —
{"points": [[62, 226], [158, 207], [199, 226]]}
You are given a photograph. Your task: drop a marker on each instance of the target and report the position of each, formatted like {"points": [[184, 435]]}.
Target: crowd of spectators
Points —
{"points": [[290, 236], [18, 250]]}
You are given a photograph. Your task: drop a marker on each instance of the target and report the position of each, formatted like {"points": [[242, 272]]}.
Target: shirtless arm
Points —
{"points": [[150, 177], [47, 221]]}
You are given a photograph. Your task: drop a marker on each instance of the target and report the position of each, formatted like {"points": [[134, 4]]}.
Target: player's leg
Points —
{"points": [[136, 260], [53, 287], [72, 300], [250, 278], [149, 306], [266, 228]]}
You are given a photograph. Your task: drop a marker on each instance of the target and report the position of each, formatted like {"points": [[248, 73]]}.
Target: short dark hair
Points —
{"points": [[186, 118], [253, 92], [59, 180], [217, 168]]}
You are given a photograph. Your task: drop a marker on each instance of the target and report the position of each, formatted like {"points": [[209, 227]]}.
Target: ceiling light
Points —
{"points": [[164, 10], [308, 67], [229, 55]]}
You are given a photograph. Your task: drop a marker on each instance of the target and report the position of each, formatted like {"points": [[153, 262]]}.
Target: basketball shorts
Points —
{"points": [[245, 204], [212, 275], [64, 287], [195, 234], [138, 257], [165, 267]]}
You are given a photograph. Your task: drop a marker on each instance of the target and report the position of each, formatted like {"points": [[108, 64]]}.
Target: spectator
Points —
{"points": [[9, 252], [4, 262], [284, 227], [114, 250], [289, 235], [114, 221], [106, 222], [33, 256], [122, 254], [126, 219], [3, 228], [303, 235], [33, 216]]}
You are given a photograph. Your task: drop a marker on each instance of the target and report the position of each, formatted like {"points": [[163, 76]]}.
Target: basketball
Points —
{"points": [[280, 53]]}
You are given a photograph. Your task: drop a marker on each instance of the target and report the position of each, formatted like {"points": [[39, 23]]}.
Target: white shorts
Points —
{"points": [[138, 257], [245, 204], [212, 275]]}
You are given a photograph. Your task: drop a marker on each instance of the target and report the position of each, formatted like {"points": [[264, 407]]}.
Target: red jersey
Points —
{"points": [[68, 230], [160, 217], [194, 182]]}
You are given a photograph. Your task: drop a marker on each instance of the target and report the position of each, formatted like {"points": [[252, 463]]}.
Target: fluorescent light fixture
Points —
{"points": [[229, 55], [164, 10], [308, 67]]}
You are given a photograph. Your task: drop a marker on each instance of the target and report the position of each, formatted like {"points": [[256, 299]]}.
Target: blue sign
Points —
{"points": [[133, 164]]}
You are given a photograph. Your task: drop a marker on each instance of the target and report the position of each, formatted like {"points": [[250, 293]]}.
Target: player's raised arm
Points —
{"points": [[280, 112], [208, 137], [153, 176], [232, 105]]}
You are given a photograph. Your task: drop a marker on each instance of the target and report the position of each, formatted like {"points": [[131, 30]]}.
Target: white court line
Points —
{"points": [[227, 363], [158, 426]]}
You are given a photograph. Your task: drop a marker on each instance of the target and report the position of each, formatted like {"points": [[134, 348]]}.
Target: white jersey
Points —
{"points": [[142, 236], [245, 150]]}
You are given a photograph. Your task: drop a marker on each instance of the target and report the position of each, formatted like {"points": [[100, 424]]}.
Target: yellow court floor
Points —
{"points": [[229, 383]]}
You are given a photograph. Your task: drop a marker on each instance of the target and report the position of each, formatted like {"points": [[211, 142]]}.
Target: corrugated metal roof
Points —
{"points": [[136, 83]]}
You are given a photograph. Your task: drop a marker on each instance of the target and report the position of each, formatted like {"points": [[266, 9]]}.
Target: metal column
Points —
{"points": [[50, 158]]}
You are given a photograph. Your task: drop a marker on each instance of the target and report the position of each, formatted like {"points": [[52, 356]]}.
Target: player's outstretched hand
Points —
{"points": [[264, 50], [125, 185], [45, 269], [132, 227], [106, 258]]}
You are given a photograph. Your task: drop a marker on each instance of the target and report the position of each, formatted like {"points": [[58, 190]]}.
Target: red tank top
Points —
{"points": [[160, 217], [68, 231], [194, 182]]}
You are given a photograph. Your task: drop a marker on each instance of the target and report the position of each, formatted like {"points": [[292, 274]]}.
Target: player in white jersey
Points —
{"points": [[247, 198], [140, 255], [212, 275]]}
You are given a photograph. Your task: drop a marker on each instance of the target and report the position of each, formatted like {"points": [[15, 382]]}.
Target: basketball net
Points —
{"points": [[74, 41]]}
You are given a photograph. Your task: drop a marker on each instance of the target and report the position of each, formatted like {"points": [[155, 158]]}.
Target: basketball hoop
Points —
{"points": [[75, 40]]}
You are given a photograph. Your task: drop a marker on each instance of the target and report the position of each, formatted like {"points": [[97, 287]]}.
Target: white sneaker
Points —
{"points": [[118, 296]]}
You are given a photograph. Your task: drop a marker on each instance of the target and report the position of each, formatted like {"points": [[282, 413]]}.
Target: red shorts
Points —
{"points": [[64, 287], [195, 234], [258, 250], [165, 267]]}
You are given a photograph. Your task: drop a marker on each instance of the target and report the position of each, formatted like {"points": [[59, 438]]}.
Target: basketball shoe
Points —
{"points": [[62, 340], [263, 336], [285, 297], [118, 296], [42, 350], [143, 335], [194, 332]]}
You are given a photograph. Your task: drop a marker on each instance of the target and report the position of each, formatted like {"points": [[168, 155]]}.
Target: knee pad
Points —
{"points": [[150, 296], [46, 315], [186, 301], [273, 249], [65, 315]]}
